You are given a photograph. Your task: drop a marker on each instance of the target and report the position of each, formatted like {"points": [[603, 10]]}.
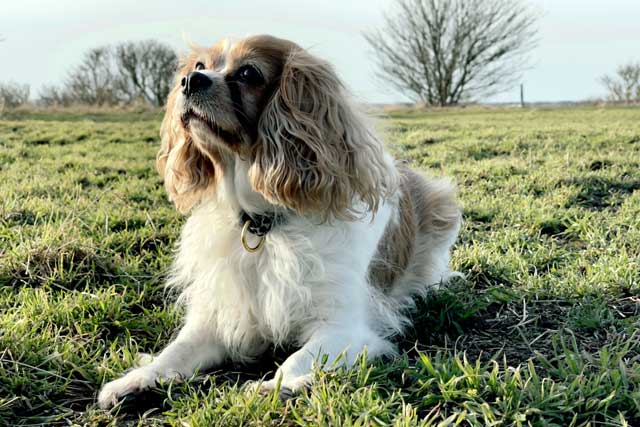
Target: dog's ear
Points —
{"points": [[315, 151], [189, 172]]}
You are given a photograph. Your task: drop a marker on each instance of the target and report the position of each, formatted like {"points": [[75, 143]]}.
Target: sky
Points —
{"points": [[579, 40]]}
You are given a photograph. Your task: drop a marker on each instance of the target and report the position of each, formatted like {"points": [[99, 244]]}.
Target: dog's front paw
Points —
{"points": [[134, 382], [144, 359], [267, 387], [288, 389]]}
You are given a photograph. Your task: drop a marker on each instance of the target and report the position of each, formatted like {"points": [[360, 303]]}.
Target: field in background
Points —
{"points": [[543, 330]]}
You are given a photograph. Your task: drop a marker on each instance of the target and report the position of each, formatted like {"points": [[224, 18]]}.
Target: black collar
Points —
{"points": [[261, 224]]}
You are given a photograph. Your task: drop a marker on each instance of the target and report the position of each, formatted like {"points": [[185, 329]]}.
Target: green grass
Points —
{"points": [[542, 332]]}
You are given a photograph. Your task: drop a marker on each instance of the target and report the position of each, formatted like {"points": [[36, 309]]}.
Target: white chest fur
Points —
{"points": [[306, 272]]}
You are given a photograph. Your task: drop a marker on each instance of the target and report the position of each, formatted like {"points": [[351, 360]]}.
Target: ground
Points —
{"points": [[541, 332]]}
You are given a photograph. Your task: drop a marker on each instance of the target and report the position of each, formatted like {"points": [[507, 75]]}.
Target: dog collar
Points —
{"points": [[258, 225]]}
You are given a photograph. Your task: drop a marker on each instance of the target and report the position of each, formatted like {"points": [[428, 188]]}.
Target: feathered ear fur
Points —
{"points": [[316, 153], [189, 172]]}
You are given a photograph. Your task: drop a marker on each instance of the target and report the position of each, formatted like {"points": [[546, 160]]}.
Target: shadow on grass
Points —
{"points": [[483, 322], [598, 193], [437, 321], [485, 152], [157, 398]]}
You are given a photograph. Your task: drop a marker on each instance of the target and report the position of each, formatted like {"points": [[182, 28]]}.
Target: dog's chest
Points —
{"points": [[267, 295], [279, 290]]}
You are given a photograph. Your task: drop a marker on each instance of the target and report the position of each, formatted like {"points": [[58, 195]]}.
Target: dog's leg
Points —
{"points": [[338, 340], [342, 328], [337, 344], [193, 349]]}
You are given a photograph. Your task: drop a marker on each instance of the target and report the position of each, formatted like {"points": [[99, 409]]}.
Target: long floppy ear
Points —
{"points": [[189, 172], [316, 153]]}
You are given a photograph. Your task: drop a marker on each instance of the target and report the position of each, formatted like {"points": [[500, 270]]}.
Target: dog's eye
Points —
{"points": [[199, 66], [250, 75]]}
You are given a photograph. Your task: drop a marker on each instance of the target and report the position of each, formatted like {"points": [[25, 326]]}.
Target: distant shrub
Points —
{"points": [[13, 94]]}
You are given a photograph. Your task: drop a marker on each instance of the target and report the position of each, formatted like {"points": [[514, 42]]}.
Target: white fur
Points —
{"points": [[307, 286]]}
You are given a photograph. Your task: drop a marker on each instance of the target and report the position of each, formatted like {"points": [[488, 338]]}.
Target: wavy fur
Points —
{"points": [[362, 235], [189, 170], [316, 152]]}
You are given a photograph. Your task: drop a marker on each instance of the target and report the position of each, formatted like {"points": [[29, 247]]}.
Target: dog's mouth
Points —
{"points": [[230, 137]]}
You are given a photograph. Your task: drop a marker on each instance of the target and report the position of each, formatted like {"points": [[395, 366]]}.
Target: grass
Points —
{"points": [[542, 332]]}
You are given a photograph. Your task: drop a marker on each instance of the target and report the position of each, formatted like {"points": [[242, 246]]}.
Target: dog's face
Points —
{"points": [[271, 103], [223, 90]]}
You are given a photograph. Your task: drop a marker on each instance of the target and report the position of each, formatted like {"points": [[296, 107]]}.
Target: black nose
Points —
{"points": [[194, 82]]}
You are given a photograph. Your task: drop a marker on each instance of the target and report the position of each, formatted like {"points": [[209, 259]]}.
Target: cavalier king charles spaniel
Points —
{"points": [[303, 230]]}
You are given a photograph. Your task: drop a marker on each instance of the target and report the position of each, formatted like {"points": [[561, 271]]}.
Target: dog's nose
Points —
{"points": [[194, 82]]}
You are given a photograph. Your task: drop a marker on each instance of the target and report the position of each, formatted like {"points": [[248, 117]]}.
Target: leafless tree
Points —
{"points": [[93, 81], [117, 75], [624, 85], [13, 94], [145, 70], [52, 96], [442, 52]]}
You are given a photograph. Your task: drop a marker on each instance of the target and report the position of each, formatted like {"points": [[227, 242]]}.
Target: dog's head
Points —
{"points": [[276, 106]]}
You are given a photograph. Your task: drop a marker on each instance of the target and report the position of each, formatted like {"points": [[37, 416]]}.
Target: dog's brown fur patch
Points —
{"points": [[425, 208]]}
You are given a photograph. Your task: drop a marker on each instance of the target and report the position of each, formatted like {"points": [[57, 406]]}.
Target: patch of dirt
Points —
{"points": [[68, 266], [553, 228], [596, 165], [20, 217], [520, 329]]}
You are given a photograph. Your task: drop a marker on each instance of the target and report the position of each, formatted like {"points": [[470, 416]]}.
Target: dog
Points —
{"points": [[302, 231]]}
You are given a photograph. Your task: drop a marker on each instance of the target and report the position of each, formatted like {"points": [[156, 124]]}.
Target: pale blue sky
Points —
{"points": [[579, 39]]}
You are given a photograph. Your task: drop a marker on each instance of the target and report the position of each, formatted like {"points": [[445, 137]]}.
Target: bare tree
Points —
{"points": [[13, 94], [113, 76], [93, 81], [624, 86], [442, 52], [145, 70], [52, 96]]}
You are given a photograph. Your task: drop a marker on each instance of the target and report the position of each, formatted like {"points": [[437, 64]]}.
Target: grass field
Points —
{"points": [[542, 332]]}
